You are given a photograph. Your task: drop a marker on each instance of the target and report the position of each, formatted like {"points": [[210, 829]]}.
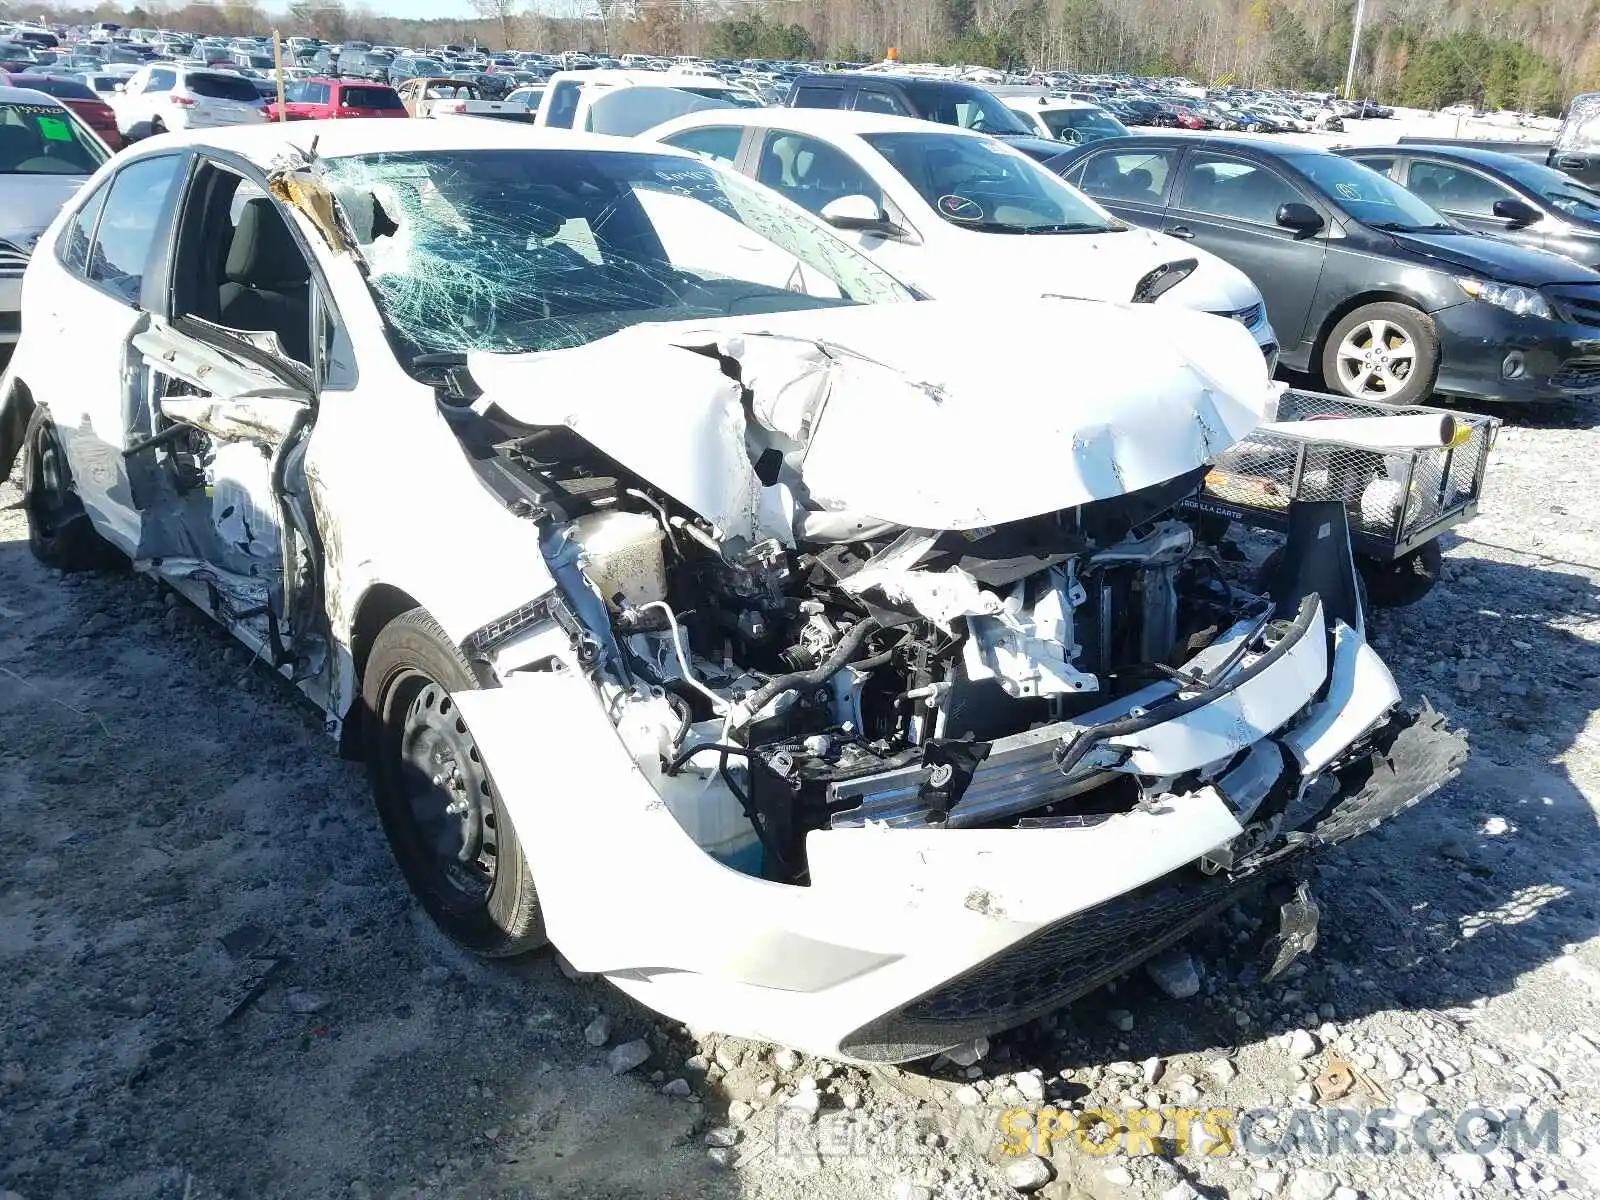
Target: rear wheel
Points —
{"points": [[1403, 581], [1386, 352], [59, 531], [449, 832]]}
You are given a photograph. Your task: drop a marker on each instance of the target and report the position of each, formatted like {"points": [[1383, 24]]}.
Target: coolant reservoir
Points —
{"points": [[622, 553]]}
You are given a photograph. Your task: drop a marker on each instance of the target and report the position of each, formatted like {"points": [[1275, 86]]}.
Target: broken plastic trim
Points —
{"points": [[1163, 279], [1071, 753], [1411, 758], [481, 643]]}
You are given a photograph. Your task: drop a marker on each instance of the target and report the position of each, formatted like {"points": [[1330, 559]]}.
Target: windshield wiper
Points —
{"points": [[1066, 227], [1401, 227], [1069, 227]]}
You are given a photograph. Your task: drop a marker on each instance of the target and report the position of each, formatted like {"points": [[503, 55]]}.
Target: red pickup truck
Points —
{"points": [[326, 99]]}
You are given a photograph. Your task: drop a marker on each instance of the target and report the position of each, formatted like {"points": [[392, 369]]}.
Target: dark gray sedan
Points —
{"points": [[1502, 195], [1364, 282]]}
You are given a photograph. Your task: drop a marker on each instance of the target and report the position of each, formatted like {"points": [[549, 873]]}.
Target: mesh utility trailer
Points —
{"points": [[1398, 500]]}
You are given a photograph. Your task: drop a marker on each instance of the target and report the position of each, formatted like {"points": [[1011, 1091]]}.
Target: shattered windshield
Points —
{"points": [[512, 250]]}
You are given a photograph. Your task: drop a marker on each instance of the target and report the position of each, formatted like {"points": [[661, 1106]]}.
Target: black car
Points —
{"points": [[1502, 195], [945, 101], [1363, 281], [1147, 112]]}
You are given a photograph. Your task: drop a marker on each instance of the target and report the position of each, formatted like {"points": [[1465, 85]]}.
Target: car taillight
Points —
{"points": [[184, 101], [455, 106]]}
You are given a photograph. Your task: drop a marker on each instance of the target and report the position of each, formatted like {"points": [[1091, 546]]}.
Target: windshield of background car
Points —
{"points": [[1087, 123], [1369, 197], [977, 184], [222, 87], [1581, 129], [371, 97], [526, 250], [38, 139], [963, 106], [1566, 193]]}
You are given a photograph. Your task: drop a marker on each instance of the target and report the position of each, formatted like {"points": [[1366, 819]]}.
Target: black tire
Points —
{"points": [[1417, 384], [465, 867], [1405, 580], [60, 533]]}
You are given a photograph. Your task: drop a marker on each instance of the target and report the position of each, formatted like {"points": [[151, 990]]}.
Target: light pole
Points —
{"points": [[1355, 47]]}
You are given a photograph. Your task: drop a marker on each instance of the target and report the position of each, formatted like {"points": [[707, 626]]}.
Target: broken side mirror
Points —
{"points": [[1301, 218], [1518, 212], [858, 213]]}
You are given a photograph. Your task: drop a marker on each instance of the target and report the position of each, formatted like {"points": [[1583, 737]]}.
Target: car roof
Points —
{"points": [[841, 78], [1472, 154], [642, 77], [1245, 145], [22, 95], [262, 144], [1044, 103], [820, 121]]}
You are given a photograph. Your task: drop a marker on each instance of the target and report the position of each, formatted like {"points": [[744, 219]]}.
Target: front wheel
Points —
{"points": [[1386, 352], [445, 822]]}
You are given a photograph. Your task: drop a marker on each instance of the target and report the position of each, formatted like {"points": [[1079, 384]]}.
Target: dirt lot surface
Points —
{"points": [[216, 985]]}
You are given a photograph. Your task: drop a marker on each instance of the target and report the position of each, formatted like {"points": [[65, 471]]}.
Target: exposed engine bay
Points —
{"points": [[867, 673]]}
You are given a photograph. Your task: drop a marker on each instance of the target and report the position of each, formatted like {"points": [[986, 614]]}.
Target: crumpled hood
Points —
{"points": [[934, 415]]}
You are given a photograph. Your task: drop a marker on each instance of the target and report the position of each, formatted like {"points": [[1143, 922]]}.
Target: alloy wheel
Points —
{"points": [[1375, 359]]}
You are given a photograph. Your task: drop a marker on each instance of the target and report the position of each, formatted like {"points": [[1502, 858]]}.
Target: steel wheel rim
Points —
{"points": [[446, 796], [1375, 359]]}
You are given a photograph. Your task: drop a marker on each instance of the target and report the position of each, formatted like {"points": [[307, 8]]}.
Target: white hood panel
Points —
{"points": [[1103, 266], [935, 415]]}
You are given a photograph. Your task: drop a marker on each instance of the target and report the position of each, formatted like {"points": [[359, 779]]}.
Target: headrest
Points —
{"points": [[263, 253]]}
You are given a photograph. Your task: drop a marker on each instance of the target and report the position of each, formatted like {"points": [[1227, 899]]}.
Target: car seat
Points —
{"points": [[1141, 185], [18, 143], [268, 284]]}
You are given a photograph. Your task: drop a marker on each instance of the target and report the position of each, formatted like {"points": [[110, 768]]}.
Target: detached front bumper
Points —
{"points": [[914, 938]]}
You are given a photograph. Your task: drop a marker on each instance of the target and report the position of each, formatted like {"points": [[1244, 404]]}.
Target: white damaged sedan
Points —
{"points": [[814, 662]]}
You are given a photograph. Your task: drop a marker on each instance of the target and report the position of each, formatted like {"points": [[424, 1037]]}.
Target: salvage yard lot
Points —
{"points": [[176, 822]]}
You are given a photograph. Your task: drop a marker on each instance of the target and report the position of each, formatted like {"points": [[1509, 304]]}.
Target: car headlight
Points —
{"points": [[1525, 302]]}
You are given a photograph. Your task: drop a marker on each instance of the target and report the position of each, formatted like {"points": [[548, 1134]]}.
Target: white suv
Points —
{"points": [[166, 96]]}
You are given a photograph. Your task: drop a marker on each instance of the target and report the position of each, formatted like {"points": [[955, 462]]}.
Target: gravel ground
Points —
{"points": [[215, 984]]}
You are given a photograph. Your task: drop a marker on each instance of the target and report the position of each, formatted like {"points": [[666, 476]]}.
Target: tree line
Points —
{"points": [[1527, 55]]}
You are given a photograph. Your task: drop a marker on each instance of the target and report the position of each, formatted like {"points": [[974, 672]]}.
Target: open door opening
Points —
{"points": [[219, 440]]}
